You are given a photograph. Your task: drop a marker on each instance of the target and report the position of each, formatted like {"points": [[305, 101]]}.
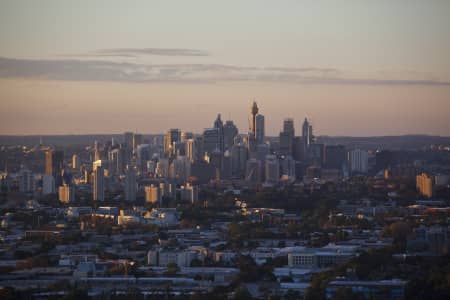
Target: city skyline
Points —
{"points": [[358, 69]]}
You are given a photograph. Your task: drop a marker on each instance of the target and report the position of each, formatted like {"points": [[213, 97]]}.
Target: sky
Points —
{"points": [[355, 68]]}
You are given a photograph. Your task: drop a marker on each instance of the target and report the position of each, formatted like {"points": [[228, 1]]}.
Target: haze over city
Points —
{"points": [[359, 69]]}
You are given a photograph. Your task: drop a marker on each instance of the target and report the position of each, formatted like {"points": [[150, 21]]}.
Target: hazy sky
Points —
{"points": [[353, 67]]}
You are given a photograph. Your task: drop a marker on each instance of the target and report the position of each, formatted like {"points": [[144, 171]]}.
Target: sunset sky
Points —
{"points": [[357, 68]]}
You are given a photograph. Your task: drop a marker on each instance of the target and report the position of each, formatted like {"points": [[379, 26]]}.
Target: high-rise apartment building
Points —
{"points": [[424, 185], [66, 193], [359, 161], [153, 194]]}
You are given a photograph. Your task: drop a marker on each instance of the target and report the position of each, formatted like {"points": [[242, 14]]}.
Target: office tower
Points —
{"points": [[307, 134], [168, 189], [215, 159], [335, 156], [142, 156], [384, 159], [179, 149], [116, 161], [239, 156], [316, 154], [227, 171], [66, 193], [186, 135], [272, 169], [202, 172], [76, 161], [287, 137], [128, 140], [151, 167], [298, 149], [211, 140], [253, 171], [137, 140], [189, 193], [180, 169], [48, 184], [96, 151], [25, 180], [359, 161], [259, 129], [230, 131], [54, 162], [262, 150], [285, 143], [130, 185], [162, 168], [153, 194], [288, 126], [218, 124], [288, 166], [66, 177], [98, 188], [192, 149], [424, 185], [172, 135]]}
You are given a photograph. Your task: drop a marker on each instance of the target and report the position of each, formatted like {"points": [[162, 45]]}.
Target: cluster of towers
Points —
{"points": [[177, 162], [220, 152]]}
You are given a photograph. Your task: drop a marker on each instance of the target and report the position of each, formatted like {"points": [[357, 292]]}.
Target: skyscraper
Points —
{"points": [[116, 161], [218, 124], [128, 139], [272, 169], [76, 161], [211, 140], [66, 193], [230, 131], [172, 135], [335, 156], [239, 157], [259, 129], [186, 135], [253, 171], [137, 140], [252, 119], [307, 134], [153, 194], [130, 185], [98, 188], [359, 161], [424, 185], [287, 137], [54, 162], [25, 180]]}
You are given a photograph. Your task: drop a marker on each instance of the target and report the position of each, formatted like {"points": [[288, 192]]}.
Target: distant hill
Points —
{"points": [[401, 142]]}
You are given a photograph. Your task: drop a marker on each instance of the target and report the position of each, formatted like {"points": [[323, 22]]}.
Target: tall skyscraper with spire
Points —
{"points": [[252, 119], [218, 124], [307, 133]]}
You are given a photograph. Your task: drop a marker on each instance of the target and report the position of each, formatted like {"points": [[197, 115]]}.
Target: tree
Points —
{"points": [[242, 293], [347, 294]]}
